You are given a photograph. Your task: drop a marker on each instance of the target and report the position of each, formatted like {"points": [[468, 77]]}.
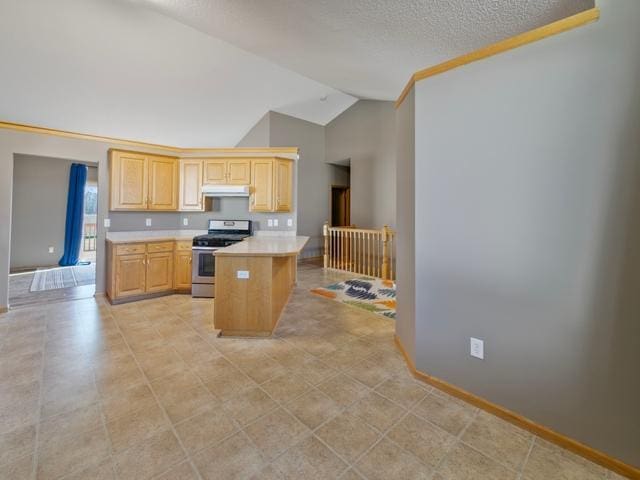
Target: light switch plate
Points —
{"points": [[243, 274], [107, 222], [51, 249], [289, 222], [148, 222], [477, 348], [275, 222], [270, 223], [185, 221]]}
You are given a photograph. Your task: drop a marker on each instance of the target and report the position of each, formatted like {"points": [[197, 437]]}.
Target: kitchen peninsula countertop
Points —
{"points": [[265, 246], [153, 236]]}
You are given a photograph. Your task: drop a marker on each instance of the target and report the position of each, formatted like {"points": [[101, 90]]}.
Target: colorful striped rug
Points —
{"points": [[372, 294]]}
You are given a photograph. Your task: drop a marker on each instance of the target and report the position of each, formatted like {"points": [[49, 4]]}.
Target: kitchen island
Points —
{"points": [[254, 279]]}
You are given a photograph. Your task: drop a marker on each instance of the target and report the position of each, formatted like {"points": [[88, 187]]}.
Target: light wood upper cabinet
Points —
{"points": [[163, 183], [261, 197], [139, 181], [283, 185], [238, 171], [191, 185], [130, 271], [159, 272], [215, 171], [128, 173]]}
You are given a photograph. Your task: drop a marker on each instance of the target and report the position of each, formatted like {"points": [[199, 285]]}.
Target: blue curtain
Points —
{"points": [[75, 215]]}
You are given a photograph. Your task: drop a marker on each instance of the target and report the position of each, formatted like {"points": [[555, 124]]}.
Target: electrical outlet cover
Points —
{"points": [[185, 221], [289, 222], [51, 250], [275, 222], [270, 223], [477, 348], [107, 222], [243, 274], [148, 222]]}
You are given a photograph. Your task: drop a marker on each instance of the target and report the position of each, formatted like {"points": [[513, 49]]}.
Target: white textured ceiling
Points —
{"points": [[367, 48], [116, 68]]}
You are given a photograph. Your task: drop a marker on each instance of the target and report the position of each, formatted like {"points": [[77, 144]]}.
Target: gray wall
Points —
{"points": [[40, 187], [405, 223], [313, 175], [258, 136], [365, 133], [527, 229]]}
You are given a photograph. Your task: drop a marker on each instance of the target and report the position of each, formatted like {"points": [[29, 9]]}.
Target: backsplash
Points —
{"points": [[223, 208]]}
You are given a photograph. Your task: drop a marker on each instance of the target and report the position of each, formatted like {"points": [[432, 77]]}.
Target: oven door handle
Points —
{"points": [[204, 249]]}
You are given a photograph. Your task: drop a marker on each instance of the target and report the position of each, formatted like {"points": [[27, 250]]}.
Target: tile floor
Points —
{"points": [[147, 390]]}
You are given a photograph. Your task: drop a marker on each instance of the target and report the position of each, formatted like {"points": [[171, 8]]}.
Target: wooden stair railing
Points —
{"points": [[358, 250]]}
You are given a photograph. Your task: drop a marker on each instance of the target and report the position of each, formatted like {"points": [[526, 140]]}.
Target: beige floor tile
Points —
{"points": [[402, 390], [286, 387], [377, 411], [267, 473], [499, 440], [20, 468], [313, 370], [104, 470], [249, 405], [351, 474], [18, 405], [310, 459], [183, 471], [548, 462], [228, 383], [369, 373], [386, 461], [182, 395], [276, 432], [160, 361], [464, 463], [426, 441], [261, 369], [76, 422], [135, 427], [313, 408], [62, 455], [445, 412], [128, 401], [16, 370], [235, 458], [17, 443], [149, 458], [343, 390], [204, 429], [348, 436]]}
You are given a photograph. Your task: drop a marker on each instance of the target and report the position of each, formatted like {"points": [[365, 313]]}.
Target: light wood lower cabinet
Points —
{"points": [[137, 270], [183, 266], [130, 275]]}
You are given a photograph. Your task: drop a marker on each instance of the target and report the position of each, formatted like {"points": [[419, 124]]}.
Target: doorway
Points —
{"points": [[38, 220], [340, 206]]}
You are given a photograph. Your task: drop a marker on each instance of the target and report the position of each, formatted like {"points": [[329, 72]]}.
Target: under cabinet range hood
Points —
{"points": [[225, 190]]}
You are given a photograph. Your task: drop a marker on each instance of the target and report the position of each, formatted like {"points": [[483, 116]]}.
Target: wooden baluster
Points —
{"points": [[325, 234]]}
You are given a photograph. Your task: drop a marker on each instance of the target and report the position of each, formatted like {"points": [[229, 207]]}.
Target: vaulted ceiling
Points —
{"points": [[203, 72]]}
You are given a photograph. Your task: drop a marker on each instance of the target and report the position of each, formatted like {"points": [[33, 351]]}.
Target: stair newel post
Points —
{"points": [[385, 252], [325, 232]]}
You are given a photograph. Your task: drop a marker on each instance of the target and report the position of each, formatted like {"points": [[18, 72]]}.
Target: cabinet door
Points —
{"points": [[183, 270], [284, 185], [128, 181], [159, 272], [191, 185], [215, 172], [238, 171], [163, 183], [261, 185], [130, 275]]}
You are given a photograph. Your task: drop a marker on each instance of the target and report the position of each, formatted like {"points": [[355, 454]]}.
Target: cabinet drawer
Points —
{"points": [[159, 247], [183, 246], [130, 249]]}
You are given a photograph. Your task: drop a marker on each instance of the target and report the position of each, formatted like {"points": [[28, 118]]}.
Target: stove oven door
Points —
{"points": [[203, 265]]}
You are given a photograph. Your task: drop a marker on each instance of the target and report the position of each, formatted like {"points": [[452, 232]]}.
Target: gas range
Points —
{"points": [[221, 233]]}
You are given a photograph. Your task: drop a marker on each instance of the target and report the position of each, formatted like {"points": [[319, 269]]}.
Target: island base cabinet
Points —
{"points": [[251, 307]]}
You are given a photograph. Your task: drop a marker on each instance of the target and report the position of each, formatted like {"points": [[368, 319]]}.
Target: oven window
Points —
{"points": [[206, 265]]}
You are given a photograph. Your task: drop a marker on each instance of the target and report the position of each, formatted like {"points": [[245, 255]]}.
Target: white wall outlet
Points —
{"points": [[243, 274], [275, 222], [477, 348], [289, 222], [51, 249], [107, 222], [185, 221], [147, 222], [270, 223]]}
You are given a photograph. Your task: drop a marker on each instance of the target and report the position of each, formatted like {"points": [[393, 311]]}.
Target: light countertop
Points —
{"points": [[153, 236], [265, 246]]}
